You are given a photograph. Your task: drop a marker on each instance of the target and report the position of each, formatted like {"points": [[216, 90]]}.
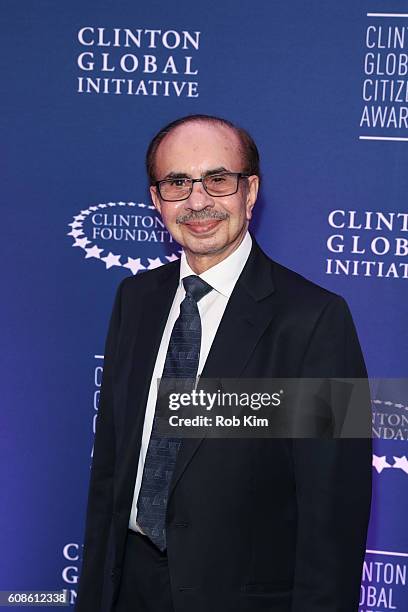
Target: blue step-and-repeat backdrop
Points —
{"points": [[323, 88]]}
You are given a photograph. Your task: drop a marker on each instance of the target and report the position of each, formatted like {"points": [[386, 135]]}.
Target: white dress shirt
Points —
{"points": [[222, 277]]}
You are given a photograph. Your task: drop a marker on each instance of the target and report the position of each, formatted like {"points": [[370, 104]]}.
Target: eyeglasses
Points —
{"points": [[216, 185]]}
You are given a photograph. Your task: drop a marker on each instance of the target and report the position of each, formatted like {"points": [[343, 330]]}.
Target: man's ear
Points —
{"points": [[155, 198], [252, 194]]}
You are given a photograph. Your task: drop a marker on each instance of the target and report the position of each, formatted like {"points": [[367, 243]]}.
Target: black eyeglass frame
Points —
{"points": [[238, 175]]}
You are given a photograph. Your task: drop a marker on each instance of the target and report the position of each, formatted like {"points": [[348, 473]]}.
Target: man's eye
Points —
{"points": [[218, 178], [177, 183]]}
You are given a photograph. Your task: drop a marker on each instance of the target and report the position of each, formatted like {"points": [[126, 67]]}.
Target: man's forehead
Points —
{"points": [[210, 129], [203, 143]]}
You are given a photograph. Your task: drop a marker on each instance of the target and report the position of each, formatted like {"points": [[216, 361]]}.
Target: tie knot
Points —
{"points": [[196, 287]]}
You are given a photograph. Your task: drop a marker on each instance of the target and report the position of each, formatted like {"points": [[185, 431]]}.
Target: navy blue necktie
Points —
{"points": [[182, 361]]}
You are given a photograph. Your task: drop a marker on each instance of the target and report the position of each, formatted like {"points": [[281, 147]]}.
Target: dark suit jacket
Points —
{"points": [[252, 524]]}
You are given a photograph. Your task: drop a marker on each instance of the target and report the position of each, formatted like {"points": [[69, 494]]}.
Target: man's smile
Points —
{"points": [[204, 226]]}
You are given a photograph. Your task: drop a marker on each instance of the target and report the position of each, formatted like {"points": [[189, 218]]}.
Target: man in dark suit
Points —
{"points": [[225, 525]]}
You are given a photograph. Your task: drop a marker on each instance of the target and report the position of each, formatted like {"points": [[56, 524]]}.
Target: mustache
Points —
{"points": [[202, 214]]}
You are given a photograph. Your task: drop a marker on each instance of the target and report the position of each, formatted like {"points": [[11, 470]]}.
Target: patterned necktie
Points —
{"points": [[182, 361]]}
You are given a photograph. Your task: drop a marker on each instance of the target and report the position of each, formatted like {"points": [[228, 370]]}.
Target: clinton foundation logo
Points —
{"points": [[390, 409], [125, 234], [367, 244], [390, 420]]}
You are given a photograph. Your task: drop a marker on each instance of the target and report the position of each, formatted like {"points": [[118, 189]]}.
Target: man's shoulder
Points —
{"points": [[304, 302], [289, 281], [298, 292]]}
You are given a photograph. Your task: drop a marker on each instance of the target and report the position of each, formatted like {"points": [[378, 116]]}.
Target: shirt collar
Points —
{"points": [[223, 276]]}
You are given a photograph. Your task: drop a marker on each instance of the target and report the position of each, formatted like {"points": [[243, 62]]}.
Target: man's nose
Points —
{"points": [[199, 198]]}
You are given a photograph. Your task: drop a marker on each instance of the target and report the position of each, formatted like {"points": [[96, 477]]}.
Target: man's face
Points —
{"points": [[203, 224]]}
